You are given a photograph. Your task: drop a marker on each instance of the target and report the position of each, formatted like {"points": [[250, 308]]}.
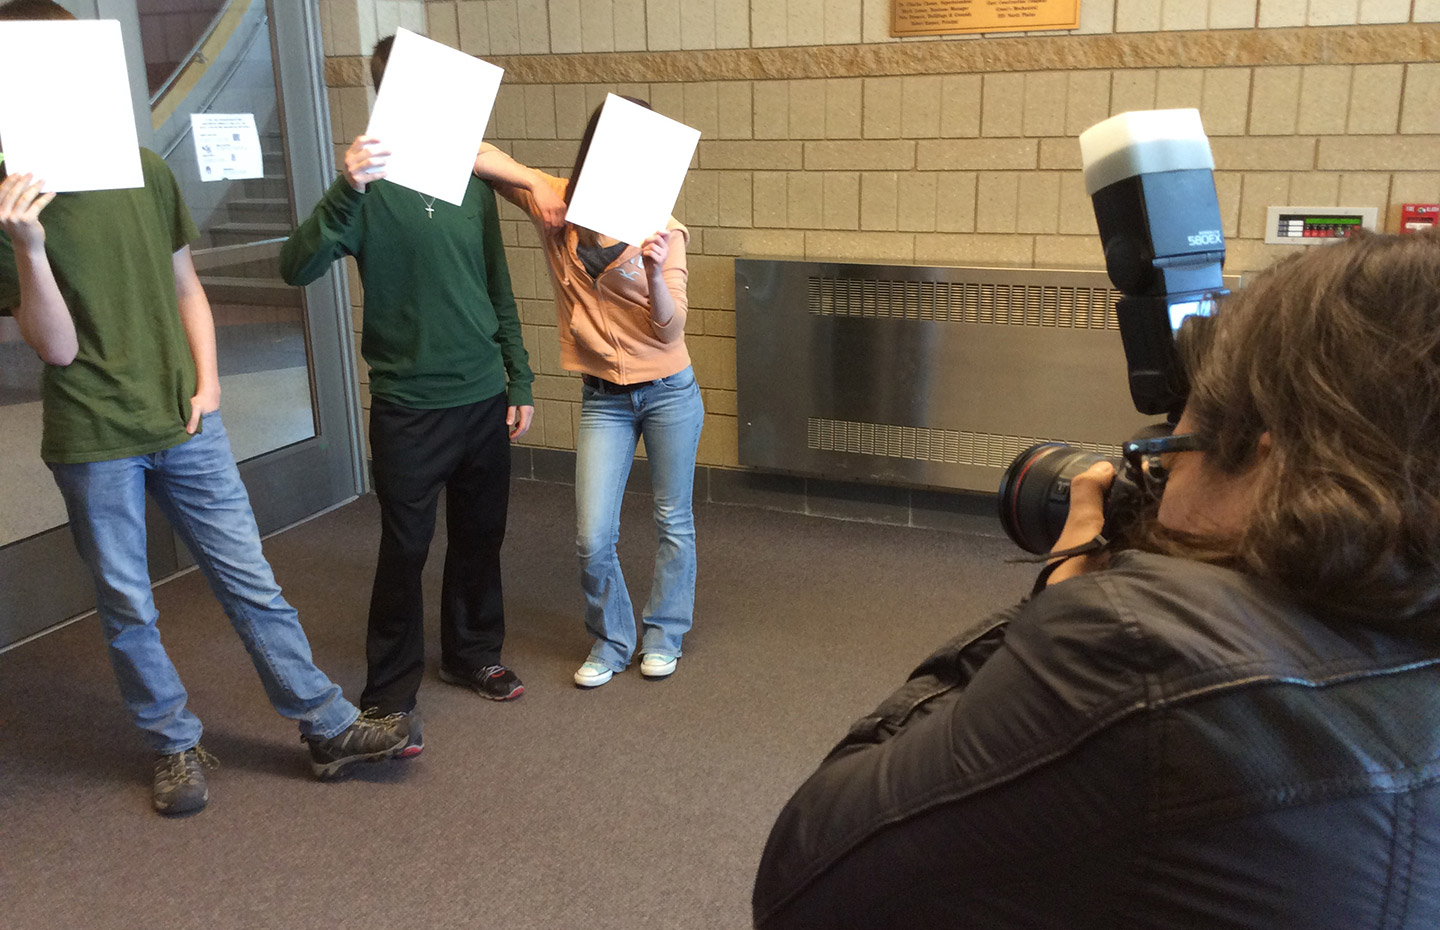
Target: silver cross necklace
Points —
{"points": [[429, 205]]}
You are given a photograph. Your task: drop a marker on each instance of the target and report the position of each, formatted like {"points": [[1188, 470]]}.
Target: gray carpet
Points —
{"points": [[639, 804]]}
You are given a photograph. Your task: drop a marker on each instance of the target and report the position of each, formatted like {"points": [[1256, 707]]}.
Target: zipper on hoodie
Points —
{"points": [[572, 256]]}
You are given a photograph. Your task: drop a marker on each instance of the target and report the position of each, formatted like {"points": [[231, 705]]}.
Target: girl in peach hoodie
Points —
{"points": [[621, 320]]}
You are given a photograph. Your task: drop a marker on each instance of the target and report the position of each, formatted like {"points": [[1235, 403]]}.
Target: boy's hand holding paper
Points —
{"points": [[21, 201], [365, 162]]}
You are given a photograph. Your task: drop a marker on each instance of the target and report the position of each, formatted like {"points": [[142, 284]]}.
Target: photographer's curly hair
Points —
{"points": [[1335, 353]]}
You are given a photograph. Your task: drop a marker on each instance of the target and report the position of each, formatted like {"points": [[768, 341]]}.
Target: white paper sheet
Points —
{"points": [[431, 113], [65, 113], [632, 173], [227, 146]]}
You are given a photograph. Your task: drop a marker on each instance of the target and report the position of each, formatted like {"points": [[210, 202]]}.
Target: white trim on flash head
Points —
{"points": [[1143, 142]]}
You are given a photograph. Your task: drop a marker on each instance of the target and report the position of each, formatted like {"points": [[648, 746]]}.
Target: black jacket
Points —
{"points": [[1162, 744]]}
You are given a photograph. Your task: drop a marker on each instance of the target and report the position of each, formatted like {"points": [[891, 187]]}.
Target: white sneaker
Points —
{"points": [[592, 675], [658, 666]]}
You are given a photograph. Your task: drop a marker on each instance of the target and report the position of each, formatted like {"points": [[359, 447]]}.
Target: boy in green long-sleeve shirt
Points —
{"points": [[450, 389]]}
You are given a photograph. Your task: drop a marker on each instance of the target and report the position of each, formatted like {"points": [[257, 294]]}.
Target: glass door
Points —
{"points": [[285, 354]]}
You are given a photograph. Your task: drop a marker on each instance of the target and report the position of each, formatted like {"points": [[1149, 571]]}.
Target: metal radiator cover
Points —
{"points": [[923, 376]]}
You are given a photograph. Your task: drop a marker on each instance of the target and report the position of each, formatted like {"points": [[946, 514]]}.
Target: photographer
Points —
{"points": [[1230, 724]]}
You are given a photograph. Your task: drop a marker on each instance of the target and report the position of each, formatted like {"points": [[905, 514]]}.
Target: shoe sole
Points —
{"points": [[410, 752], [452, 679], [182, 811], [329, 771], [656, 676]]}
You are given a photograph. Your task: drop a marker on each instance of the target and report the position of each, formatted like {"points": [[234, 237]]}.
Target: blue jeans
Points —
{"points": [[198, 488], [668, 413]]}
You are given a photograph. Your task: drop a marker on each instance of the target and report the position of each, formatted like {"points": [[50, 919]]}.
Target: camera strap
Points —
{"points": [[1060, 555], [1057, 558]]}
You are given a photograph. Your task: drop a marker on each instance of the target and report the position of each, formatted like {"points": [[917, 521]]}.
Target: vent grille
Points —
{"points": [[952, 447], [965, 302]]}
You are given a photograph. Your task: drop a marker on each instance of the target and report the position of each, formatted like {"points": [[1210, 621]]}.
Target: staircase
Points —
{"points": [[230, 70], [256, 210]]}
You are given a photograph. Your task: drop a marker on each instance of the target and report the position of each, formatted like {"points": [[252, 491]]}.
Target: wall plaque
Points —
{"points": [[951, 17]]}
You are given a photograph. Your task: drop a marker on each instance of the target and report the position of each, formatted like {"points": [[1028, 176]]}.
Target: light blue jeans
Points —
{"points": [[668, 413], [198, 488]]}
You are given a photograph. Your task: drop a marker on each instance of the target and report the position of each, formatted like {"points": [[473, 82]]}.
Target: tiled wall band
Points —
{"points": [[949, 151]]}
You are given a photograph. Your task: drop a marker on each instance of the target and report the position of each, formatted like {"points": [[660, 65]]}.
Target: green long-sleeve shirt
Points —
{"points": [[441, 328]]}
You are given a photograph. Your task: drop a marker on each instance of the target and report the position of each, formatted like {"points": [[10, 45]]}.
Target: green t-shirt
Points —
{"points": [[441, 328], [128, 391]]}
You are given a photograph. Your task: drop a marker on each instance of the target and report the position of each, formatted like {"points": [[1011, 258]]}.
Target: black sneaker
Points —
{"points": [[495, 682], [415, 742], [368, 739], [179, 785]]}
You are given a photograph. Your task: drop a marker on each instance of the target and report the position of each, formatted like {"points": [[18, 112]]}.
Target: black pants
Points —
{"points": [[466, 451]]}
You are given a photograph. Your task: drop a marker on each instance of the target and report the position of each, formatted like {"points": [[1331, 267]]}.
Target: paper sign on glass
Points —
{"points": [[632, 173], [65, 115], [227, 146], [431, 113]]}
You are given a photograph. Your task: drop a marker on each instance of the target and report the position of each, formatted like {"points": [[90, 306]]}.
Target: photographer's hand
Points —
{"points": [[1084, 523]]}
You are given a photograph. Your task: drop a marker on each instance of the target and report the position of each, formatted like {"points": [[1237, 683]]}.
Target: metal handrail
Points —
{"points": [[204, 106], [194, 53], [216, 39]]}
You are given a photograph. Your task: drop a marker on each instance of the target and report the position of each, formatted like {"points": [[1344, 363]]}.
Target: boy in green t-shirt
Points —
{"points": [[105, 291]]}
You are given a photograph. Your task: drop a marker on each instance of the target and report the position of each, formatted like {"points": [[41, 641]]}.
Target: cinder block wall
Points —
{"points": [[825, 138]]}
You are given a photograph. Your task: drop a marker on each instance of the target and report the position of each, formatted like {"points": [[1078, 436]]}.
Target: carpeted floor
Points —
{"points": [[639, 804]]}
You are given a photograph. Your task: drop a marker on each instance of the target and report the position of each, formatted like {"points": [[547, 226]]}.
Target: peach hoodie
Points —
{"points": [[604, 324]]}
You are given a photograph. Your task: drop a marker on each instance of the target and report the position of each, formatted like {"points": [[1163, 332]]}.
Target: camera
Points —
{"points": [[1035, 494], [1150, 177]]}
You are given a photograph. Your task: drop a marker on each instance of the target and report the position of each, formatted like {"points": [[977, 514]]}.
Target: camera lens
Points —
{"points": [[1035, 493]]}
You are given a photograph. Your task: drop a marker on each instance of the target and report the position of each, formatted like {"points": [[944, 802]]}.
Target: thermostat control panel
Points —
{"points": [[1312, 225]]}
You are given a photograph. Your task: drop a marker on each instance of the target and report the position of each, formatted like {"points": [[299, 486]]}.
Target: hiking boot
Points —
{"points": [[179, 785], [415, 743], [495, 682], [368, 739]]}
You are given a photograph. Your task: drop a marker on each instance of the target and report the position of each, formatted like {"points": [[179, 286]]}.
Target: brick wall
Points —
{"points": [[825, 138]]}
